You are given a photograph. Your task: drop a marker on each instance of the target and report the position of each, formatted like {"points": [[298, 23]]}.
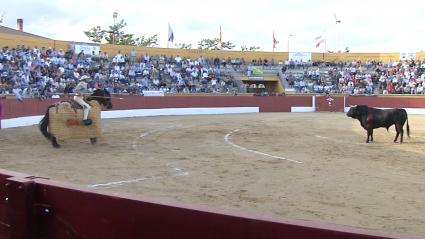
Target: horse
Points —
{"points": [[102, 97]]}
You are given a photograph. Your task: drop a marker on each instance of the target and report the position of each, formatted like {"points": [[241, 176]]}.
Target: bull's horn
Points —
{"points": [[352, 106]]}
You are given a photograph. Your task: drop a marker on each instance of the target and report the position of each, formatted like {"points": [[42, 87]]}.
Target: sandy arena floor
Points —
{"points": [[313, 166]]}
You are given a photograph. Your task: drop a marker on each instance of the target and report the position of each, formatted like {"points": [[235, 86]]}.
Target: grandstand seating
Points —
{"points": [[236, 77]]}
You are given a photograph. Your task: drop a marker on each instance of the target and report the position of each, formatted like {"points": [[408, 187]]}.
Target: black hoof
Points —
{"points": [[93, 141], [55, 143], [87, 122]]}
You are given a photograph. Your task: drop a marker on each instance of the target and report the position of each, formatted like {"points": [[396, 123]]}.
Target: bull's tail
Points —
{"points": [[44, 122], [408, 128]]}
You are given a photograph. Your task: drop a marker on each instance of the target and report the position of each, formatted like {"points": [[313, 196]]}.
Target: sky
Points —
{"points": [[366, 25]]}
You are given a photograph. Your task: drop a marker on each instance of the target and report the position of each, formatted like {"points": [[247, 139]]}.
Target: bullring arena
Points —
{"points": [[303, 165]]}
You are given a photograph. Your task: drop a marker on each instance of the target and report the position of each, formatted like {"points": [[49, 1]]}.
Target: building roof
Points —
{"points": [[11, 31]]}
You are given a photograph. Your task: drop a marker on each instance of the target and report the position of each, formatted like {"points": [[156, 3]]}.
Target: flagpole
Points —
{"points": [[325, 45], [221, 40], [168, 40], [325, 40]]}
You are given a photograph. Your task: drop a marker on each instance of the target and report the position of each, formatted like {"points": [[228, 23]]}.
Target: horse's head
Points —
{"points": [[103, 97]]}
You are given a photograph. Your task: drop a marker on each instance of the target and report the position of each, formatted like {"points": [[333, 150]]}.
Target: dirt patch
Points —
{"points": [[313, 166]]}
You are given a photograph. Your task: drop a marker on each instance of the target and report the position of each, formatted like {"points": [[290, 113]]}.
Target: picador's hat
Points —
{"points": [[85, 78]]}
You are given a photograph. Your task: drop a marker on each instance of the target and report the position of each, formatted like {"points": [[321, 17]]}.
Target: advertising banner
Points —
{"points": [[407, 56], [88, 48], [153, 93], [298, 56], [255, 78]]}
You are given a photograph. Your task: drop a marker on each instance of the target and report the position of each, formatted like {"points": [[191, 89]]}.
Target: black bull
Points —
{"points": [[371, 118]]}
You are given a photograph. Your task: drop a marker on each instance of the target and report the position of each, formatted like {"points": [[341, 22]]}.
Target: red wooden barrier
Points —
{"points": [[13, 108], [30, 107], [330, 103], [49, 209]]}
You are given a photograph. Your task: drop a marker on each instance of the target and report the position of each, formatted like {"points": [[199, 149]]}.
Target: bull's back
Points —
{"points": [[389, 117]]}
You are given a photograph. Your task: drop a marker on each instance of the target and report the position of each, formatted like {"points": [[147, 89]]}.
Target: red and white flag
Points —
{"points": [[219, 40], [320, 39], [274, 41]]}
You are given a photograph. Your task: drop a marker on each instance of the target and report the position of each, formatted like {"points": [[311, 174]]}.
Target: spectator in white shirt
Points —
{"points": [[145, 72], [302, 84], [61, 69], [76, 75], [121, 76], [280, 63], [105, 57], [98, 76], [155, 82], [114, 76], [420, 89], [412, 85], [61, 60], [205, 75], [178, 60], [61, 53], [132, 74]]}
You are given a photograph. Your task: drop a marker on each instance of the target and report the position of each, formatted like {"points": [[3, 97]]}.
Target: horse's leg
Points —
{"points": [[93, 140], [55, 143]]}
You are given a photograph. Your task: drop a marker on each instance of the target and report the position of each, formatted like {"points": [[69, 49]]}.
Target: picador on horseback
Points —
{"points": [[63, 119], [80, 93]]}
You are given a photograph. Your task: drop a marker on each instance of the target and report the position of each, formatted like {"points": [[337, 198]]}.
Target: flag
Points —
{"points": [[170, 33], [319, 39], [219, 40], [1, 18], [257, 70], [274, 41]]}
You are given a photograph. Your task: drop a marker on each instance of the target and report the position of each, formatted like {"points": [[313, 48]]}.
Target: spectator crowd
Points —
{"points": [[40, 73], [355, 77]]}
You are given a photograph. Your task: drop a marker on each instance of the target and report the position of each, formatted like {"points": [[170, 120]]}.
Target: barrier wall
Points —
{"points": [[30, 107], [40, 208], [13, 108]]}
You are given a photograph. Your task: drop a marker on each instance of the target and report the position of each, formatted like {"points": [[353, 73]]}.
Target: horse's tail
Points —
{"points": [[44, 122]]}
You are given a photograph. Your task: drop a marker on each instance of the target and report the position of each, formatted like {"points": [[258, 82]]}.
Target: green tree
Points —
{"points": [[183, 46], [228, 45], [116, 35], [251, 48], [125, 39], [147, 41], [212, 44], [95, 34]]}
